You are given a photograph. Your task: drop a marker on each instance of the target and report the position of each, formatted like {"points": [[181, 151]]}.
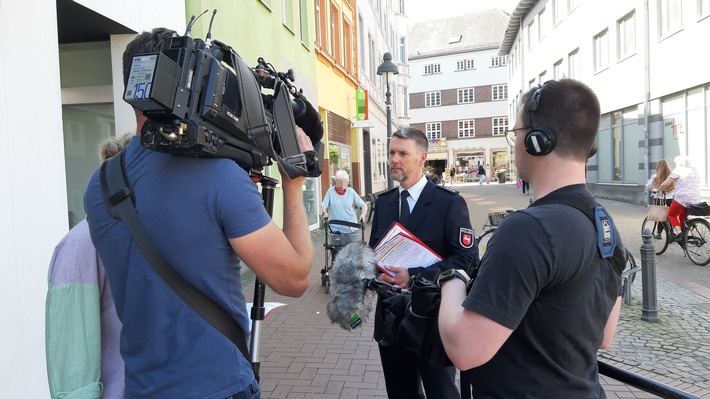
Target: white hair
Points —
{"points": [[342, 175], [682, 160]]}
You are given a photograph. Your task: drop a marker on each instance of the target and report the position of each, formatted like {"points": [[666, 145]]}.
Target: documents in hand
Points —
{"points": [[401, 248]]}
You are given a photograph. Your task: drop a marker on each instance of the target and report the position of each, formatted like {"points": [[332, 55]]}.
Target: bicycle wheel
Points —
{"points": [[697, 241], [483, 241], [660, 235], [631, 270]]}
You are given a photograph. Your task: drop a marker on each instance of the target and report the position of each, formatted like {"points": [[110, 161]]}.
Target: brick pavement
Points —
{"points": [[303, 355]]}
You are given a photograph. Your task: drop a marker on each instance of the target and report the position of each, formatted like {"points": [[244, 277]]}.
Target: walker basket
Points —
{"points": [[494, 218]]}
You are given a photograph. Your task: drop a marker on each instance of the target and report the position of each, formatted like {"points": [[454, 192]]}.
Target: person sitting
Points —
{"points": [[686, 181]]}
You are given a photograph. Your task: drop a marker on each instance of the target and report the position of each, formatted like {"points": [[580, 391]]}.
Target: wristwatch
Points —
{"points": [[448, 274]]}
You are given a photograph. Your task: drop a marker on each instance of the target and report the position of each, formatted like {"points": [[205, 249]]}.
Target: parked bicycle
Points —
{"points": [[494, 219], [694, 237]]}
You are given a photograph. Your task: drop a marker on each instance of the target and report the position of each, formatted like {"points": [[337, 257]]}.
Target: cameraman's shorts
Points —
{"points": [[253, 391]]}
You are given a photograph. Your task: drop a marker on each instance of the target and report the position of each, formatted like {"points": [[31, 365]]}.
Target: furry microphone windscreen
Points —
{"points": [[354, 265]]}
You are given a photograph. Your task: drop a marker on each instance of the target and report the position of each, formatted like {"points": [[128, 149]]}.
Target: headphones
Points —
{"points": [[541, 139]]}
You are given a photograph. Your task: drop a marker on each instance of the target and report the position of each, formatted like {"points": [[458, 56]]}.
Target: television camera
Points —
{"points": [[201, 99]]}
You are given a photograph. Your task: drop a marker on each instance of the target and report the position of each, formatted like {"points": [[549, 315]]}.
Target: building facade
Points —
{"points": [[458, 92], [62, 99], [382, 28], [654, 105], [66, 99]]}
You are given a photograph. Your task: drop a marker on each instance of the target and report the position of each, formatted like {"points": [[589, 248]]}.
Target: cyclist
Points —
{"points": [[662, 173], [686, 181]]}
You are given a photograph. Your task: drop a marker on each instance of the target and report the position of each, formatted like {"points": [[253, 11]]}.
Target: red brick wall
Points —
{"points": [[450, 96]]}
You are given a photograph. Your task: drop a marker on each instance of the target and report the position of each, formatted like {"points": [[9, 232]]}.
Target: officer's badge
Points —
{"points": [[466, 237]]}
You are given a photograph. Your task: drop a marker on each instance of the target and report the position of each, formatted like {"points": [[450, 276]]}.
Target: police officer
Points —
{"points": [[439, 217]]}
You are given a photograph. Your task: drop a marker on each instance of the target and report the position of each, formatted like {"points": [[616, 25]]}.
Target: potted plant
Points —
{"points": [[500, 174]]}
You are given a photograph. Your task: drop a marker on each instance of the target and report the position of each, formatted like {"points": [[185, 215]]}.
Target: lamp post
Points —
{"points": [[388, 69]]}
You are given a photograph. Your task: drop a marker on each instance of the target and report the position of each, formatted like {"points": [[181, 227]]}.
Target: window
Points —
{"points": [[433, 130], [572, 4], [626, 33], [499, 61], [555, 11], [542, 78], [455, 39], [373, 59], [335, 34], [601, 51], [287, 13], [670, 16], [541, 23], [532, 84], [467, 128], [402, 50], [703, 8], [573, 65], [500, 92], [348, 47], [557, 70], [462, 65], [361, 42], [500, 125], [432, 99], [531, 35], [432, 69], [465, 96], [302, 22], [320, 24]]}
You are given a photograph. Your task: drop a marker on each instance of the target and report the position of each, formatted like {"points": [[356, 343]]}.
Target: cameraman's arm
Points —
{"points": [[458, 325], [282, 258]]}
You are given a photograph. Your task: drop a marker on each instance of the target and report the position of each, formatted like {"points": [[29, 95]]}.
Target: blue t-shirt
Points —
{"points": [[189, 208]]}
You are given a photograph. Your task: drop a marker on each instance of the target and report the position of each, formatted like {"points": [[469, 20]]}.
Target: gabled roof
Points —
{"points": [[511, 32], [473, 31]]}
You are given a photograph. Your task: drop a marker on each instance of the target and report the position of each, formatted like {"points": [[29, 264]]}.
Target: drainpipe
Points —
{"points": [[647, 91]]}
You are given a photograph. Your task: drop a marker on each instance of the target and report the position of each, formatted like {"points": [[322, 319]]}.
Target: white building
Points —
{"points": [[55, 79], [655, 99], [458, 88], [382, 28]]}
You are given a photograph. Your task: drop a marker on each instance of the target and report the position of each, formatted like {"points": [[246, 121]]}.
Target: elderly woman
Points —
{"points": [[340, 202], [687, 191]]}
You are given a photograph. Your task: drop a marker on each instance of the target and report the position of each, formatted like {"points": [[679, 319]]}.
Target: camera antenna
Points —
{"points": [[208, 38], [192, 21]]}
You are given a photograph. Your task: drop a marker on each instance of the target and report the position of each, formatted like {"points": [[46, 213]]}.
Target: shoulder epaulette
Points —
{"points": [[389, 191], [450, 190]]}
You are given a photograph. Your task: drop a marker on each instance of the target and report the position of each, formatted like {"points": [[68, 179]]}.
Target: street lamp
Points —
{"points": [[389, 69]]}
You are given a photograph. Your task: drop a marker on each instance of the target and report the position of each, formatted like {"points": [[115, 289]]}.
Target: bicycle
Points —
{"points": [[494, 219], [694, 239]]}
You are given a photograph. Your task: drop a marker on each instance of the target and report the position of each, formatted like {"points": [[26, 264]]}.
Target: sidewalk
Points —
{"points": [[303, 355]]}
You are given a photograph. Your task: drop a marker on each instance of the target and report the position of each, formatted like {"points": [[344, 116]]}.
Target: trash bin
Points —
{"points": [[501, 177]]}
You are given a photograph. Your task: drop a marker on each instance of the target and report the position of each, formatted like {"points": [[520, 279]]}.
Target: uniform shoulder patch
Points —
{"points": [[448, 189]]}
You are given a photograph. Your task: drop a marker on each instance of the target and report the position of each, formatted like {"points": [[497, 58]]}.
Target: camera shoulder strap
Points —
{"points": [[608, 247], [119, 198]]}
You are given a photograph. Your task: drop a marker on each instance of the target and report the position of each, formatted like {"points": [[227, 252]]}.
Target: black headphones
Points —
{"points": [[541, 139]]}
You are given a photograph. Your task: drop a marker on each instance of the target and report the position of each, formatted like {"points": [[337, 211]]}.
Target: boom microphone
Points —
{"points": [[352, 271]]}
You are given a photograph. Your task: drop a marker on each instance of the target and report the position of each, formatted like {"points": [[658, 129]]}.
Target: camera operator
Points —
{"points": [[544, 300], [203, 215]]}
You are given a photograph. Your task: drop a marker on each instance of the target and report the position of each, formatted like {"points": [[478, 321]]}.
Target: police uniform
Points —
{"points": [[440, 219]]}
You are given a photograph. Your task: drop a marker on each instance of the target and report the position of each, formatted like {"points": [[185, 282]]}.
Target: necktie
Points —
{"points": [[404, 208]]}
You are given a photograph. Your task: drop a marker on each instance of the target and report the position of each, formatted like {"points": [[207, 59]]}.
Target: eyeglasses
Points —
{"points": [[510, 135]]}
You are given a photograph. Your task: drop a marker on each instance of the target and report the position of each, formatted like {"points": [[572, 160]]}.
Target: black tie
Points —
{"points": [[404, 208]]}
